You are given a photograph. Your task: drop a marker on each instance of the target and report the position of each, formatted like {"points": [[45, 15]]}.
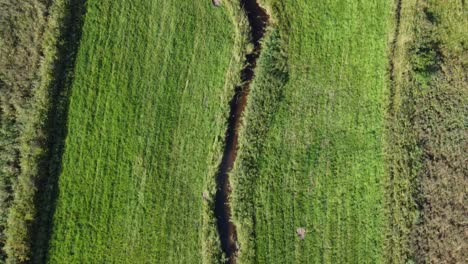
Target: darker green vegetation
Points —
{"points": [[37, 49], [439, 83], [56, 126], [22, 26], [426, 136]]}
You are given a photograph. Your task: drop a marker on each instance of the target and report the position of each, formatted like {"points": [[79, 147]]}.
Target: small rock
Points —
{"points": [[206, 195], [216, 2], [301, 233]]}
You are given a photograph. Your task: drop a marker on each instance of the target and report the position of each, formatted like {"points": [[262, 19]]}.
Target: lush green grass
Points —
{"points": [[312, 143], [354, 130], [147, 116]]}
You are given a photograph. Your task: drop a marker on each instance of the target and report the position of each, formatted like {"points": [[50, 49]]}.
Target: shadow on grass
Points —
{"points": [[51, 165]]}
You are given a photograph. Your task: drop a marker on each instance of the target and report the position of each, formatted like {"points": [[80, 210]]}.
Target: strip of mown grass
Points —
{"points": [[147, 116], [312, 142]]}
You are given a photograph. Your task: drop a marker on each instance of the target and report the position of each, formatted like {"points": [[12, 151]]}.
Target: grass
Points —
{"points": [[312, 143], [147, 116], [21, 30], [426, 135], [401, 147], [354, 130], [29, 73]]}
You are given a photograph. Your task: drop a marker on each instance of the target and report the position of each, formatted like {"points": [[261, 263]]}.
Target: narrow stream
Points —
{"points": [[258, 21]]}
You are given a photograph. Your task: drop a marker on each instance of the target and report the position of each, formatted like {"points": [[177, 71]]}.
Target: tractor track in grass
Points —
{"points": [[258, 21]]}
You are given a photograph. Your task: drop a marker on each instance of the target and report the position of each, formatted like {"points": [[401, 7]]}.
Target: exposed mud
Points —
{"points": [[258, 21]]}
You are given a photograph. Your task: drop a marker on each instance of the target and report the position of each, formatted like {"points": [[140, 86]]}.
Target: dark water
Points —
{"points": [[258, 20]]}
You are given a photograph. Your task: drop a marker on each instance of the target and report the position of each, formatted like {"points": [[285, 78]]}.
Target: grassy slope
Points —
{"points": [[312, 144], [427, 135], [147, 114]]}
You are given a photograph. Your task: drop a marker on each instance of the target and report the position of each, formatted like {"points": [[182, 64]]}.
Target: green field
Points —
{"points": [[147, 114], [116, 127], [312, 144]]}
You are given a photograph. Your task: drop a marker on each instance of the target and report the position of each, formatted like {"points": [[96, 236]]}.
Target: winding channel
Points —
{"points": [[258, 21]]}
